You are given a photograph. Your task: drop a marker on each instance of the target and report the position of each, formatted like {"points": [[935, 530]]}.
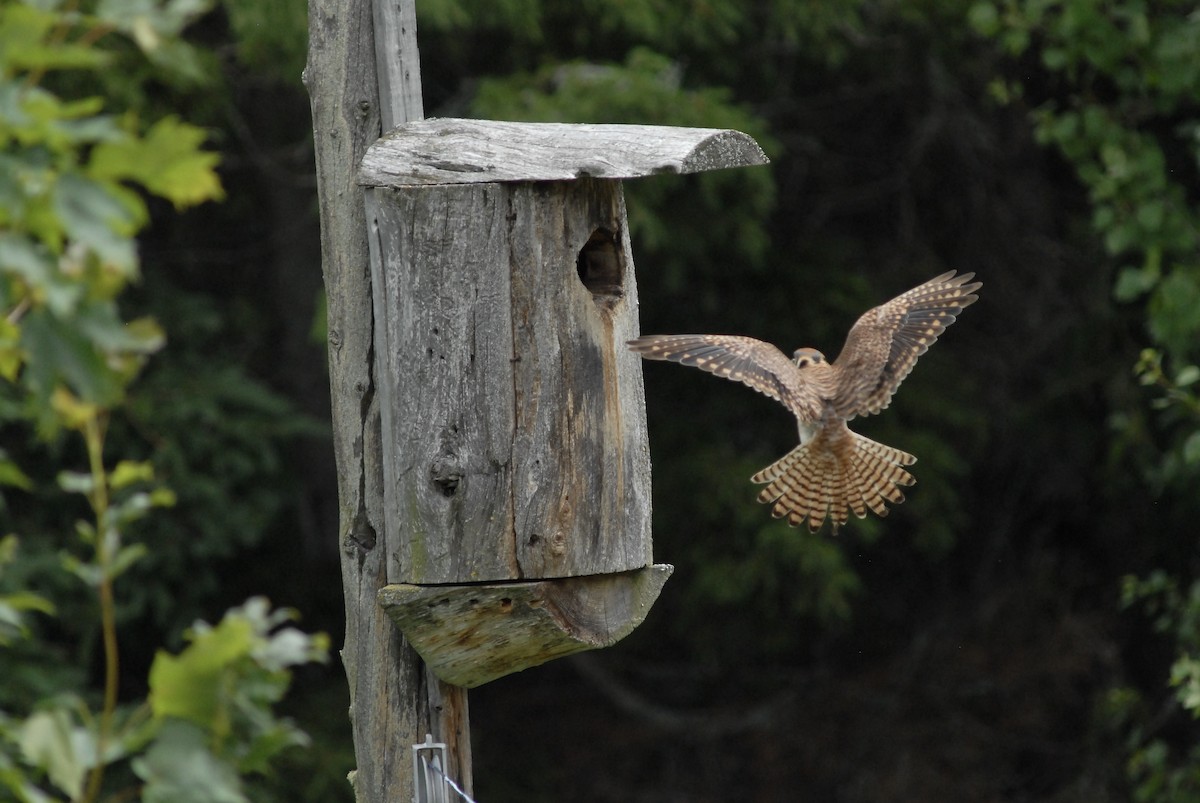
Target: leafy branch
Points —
{"points": [[73, 177]]}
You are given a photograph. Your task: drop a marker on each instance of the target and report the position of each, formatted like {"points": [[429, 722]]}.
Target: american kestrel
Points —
{"points": [[833, 471]]}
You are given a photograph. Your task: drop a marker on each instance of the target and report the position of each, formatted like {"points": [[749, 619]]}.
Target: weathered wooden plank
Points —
{"points": [[470, 635], [443, 322], [397, 61], [581, 465], [458, 151]]}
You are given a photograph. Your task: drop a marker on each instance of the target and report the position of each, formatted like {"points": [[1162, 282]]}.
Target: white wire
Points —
{"points": [[454, 786], [434, 766]]}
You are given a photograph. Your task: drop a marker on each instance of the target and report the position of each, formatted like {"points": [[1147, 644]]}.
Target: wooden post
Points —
{"points": [[394, 699]]}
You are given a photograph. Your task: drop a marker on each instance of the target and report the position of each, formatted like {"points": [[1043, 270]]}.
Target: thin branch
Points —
{"points": [[712, 723], [94, 435]]}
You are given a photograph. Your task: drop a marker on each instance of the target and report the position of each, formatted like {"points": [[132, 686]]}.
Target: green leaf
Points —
{"points": [[163, 497], [269, 743], [167, 161], [1185, 674], [984, 18], [189, 64], [51, 742], [11, 358], [8, 550], [23, 257], [128, 472], [24, 42], [21, 24], [1132, 283], [89, 573], [1188, 375], [191, 685], [58, 352], [34, 265], [126, 557], [103, 326], [76, 482], [12, 475], [28, 601], [96, 217], [16, 782], [1150, 215], [1191, 449], [290, 647], [13, 608], [1174, 318], [179, 768], [12, 624], [149, 22], [129, 509], [143, 336], [1055, 58]]}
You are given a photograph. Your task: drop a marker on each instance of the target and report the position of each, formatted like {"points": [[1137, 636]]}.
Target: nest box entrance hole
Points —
{"points": [[600, 265]]}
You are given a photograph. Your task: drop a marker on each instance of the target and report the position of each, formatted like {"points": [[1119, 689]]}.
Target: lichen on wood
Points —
{"points": [[470, 635]]}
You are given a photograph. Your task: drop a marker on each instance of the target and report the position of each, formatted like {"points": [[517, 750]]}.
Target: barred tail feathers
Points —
{"points": [[835, 473]]}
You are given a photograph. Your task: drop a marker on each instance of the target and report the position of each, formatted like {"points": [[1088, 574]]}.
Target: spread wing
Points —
{"points": [[742, 359], [883, 346]]}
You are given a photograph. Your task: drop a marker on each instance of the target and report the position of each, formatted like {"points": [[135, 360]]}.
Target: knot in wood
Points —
{"points": [[446, 474]]}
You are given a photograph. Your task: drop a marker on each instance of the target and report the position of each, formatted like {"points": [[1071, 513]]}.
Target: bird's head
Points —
{"points": [[806, 357]]}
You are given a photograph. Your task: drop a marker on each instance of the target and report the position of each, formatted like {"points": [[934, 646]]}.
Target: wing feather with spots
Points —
{"points": [[752, 362], [883, 346]]}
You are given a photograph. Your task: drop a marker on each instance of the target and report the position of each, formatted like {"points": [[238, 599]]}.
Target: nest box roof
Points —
{"points": [[458, 151]]}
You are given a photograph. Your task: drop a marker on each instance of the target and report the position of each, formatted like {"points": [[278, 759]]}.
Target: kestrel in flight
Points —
{"points": [[833, 471]]}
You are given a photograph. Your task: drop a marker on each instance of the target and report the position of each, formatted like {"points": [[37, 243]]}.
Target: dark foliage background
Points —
{"points": [[974, 646]]}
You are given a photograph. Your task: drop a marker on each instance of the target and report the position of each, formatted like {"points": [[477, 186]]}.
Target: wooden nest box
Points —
{"points": [[515, 461]]}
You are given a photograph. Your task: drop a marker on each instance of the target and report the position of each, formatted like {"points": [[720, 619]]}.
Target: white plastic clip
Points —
{"points": [[429, 772]]}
